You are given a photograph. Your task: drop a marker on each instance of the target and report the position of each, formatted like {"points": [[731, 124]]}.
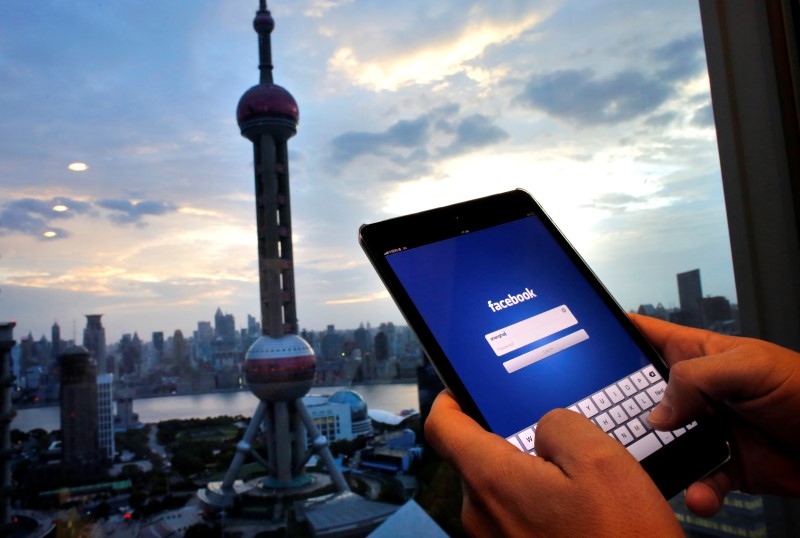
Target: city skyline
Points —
{"points": [[21, 333], [600, 111]]}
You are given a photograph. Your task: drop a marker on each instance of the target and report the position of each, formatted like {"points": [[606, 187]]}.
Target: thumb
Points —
{"points": [[685, 397]]}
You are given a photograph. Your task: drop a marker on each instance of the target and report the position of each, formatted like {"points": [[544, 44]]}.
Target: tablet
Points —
{"points": [[516, 324]]}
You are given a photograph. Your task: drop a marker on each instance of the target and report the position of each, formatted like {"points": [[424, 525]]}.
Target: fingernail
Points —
{"points": [[662, 412]]}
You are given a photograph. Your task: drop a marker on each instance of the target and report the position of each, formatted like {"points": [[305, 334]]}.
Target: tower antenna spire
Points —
{"points": [[263, 25]]}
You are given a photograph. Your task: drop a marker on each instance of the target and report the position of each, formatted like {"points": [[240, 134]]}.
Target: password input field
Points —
{"points": [[530, 330], [526, 359]]}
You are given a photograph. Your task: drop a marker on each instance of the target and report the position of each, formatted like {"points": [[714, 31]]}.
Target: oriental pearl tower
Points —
{"points": [[279, 367]]}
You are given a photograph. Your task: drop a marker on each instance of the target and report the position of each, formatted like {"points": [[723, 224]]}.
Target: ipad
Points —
{"points": [[516, 324]]}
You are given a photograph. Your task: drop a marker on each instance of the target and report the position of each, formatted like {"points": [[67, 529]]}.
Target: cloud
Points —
{"points": [[579, 96], [414, 144], [703, 117], [318, 8], [32, 217], [127, 212], [403, 134], [447, 40], [682, 58], [474, 132]]}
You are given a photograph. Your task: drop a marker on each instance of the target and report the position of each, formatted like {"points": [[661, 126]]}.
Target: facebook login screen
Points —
{"points": [[523, 329]]}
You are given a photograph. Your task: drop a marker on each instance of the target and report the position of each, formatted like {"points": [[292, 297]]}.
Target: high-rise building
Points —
{"points": [[362, 339], [225, 329], [124, 401], [55, 335], [332, 344], [690, 295], [253, 326], [94, 339], [158, 342], [105, 415], [79, 414], [182, 361], [130, 354], [7, 414]]}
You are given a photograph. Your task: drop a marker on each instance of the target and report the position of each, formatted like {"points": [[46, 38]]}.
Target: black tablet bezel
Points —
{"points": [[700, 450]]}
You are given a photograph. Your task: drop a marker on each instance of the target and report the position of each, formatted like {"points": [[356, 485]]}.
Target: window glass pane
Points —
{"points": [[128, 216]]}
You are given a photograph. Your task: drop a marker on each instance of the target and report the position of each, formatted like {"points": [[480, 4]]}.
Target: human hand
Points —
{"points": [[759, 385], [582, 483]]}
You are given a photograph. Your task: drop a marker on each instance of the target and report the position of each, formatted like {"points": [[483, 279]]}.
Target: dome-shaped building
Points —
{"points": [[361, 423]]}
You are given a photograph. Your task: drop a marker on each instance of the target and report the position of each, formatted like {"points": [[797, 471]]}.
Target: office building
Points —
{"points": [[55, 335], [690, 296], [105, 415], [79, 407], [7, 414], [94, 340], [224, 331]]}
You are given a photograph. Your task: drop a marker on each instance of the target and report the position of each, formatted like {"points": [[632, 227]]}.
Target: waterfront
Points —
{"points": [[389, 397]]}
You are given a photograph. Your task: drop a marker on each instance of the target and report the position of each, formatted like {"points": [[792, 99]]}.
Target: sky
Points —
{"points": [[601, 110]]}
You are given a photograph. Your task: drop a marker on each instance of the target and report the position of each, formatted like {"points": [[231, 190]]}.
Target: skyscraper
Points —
{"points": [[55, 336], [224, 330], [690, 295], [7, 414], [79, 414], [105, 415], [94, 340]]}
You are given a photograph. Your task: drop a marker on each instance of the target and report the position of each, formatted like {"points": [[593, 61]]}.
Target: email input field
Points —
{"points": [[535, 328]]}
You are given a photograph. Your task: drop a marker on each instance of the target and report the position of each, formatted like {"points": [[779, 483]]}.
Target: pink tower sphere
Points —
{"points": [[280, 369]]}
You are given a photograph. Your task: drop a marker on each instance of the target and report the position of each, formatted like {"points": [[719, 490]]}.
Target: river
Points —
{"points": [[393, 398]]}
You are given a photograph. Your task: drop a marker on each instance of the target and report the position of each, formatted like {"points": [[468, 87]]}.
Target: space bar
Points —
{"points": [[644, 446]]}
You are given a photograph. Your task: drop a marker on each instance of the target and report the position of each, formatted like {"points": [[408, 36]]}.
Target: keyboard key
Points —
{"points": [[631, 408], [605, 422], [640, 380], [624, 435], [513, 441], [618, 415], [656, 392], [627, 387], [651, 374], [636, 428], [528, 437], [615, 394], [678, 432], [644, 421], [644, 446], [601, 400], [666, 437], [587, 408], [643, 400]]}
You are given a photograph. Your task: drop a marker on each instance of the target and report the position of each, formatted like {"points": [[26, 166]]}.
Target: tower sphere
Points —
{"points": [[267, 101], [263, 23], [280, 368]]}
